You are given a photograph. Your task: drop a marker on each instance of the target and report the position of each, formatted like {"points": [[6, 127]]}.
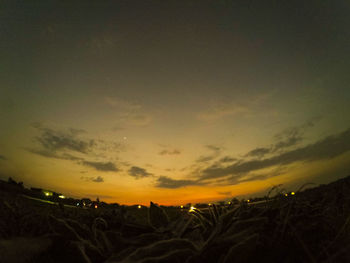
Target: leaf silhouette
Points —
{"points": [[157, 216]]}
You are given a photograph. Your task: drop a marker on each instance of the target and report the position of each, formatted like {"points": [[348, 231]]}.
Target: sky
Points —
{"points": [[174, 101]]}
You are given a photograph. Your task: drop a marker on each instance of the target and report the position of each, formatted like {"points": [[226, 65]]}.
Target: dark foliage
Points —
{"points": [[310, 226]]}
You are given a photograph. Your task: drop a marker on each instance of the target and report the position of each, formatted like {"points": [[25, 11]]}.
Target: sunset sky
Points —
{"points": [[174, 101]]}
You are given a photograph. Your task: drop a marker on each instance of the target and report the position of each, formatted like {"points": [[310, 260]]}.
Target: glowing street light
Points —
{"points": [[47, 193], [292, 193], [95, 206], [139, 206], [61, 196], [182, 206], [248, 200], [192, 209], [285, 194]]}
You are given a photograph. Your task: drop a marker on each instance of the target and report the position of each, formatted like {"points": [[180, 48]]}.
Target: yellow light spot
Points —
{"points": [[61, 196], [285, 194], [182, 206], [95, 206], [248, 200], [209, 204], [229, 203], [292, 193], [192, 209], [138, 206], [47, 194]]}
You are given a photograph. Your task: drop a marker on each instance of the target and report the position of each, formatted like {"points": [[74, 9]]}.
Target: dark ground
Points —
{"points": [[310, 226]]}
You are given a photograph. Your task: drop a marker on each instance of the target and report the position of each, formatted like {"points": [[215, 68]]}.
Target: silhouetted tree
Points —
{"points": [[11, 181]]}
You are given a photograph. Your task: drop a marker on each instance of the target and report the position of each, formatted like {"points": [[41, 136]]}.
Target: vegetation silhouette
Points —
{"points": [[310, 225]]}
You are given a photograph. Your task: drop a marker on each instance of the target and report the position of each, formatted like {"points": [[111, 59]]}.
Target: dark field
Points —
{"points": [[311, 226]]}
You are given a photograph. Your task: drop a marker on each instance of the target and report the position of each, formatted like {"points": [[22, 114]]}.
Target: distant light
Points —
{"points": [[77, 204], [83, 203], [285, 194], [138, 206], [95, 206], [209, 204], [182, 206], [192, 209], [248, 200], [292, 193], [61, 196], [229, 203]]}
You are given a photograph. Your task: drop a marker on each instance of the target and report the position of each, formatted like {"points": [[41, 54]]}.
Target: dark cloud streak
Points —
{"points": [[227, 159], [285, 139], [102, 166], [327, 148], [138, 172], [60, 145], [258, 152], [54, 141], [207, 158], [97, 179], [167, 182], [50, 154]]}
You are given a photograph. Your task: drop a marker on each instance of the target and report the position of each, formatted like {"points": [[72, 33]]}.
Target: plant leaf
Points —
{"points": [[157, 216]]}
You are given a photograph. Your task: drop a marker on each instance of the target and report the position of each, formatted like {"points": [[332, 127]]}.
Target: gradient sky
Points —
{"points": [[174, 101]]}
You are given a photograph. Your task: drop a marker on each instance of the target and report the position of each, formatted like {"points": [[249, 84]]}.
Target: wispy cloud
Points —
{"points": [[227, 159], [122, 103], [327, 148], [170, 152], [219, 111], [247, 170], [292, 136], [241, 178], [258, 152], [102, 166], [215, 152], [288, 138], [225, 107], [129, 113], [137, 119], [138, 172], [50, 154], [167, 182], [204, 159], [97, 179], [53, 140], [67, 145]]}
